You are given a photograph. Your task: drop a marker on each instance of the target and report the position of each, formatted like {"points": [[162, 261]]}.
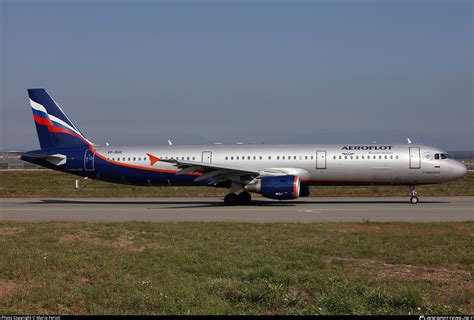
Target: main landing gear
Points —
{"points": [[233, 199], [413, 197]]}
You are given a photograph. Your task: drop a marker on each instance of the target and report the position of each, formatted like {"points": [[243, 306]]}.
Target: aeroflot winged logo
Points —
{"points": [[367, 147]]}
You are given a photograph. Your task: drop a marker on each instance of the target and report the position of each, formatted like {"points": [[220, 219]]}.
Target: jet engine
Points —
{"points": [[276, 187]]}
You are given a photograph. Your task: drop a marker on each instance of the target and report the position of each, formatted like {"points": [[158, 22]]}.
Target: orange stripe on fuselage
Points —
{"points": [[141, 167]]}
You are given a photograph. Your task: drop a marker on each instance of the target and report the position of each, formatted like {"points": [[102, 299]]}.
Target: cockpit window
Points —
{"points": [[438, 156]]}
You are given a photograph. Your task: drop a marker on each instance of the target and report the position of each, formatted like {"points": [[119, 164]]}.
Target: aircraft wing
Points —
{"points": [[216, 172]]}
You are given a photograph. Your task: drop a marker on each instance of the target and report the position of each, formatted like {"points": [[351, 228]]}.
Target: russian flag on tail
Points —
{"points": [[54, 128]]}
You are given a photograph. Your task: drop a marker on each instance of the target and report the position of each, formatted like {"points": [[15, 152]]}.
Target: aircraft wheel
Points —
{"points": [[231, 199], [245, 197], [414, 200]]}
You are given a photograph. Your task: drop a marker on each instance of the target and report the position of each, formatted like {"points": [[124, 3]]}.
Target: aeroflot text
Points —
{"points": [[367, 148]]}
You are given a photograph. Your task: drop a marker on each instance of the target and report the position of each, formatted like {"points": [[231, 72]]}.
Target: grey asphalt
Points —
{"points": [[430, 209]]}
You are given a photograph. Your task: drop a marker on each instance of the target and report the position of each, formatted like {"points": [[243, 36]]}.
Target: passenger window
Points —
{"points": [[294, 157], [226, 158], [385, 157], [380, 157], [278, 157], [231, 158], [248, 158], [334, 157], [396, 157], [311, 157], [237, 158], [362, 157], [128, 159], [340, 157], [283, 157], [357, 157], [443, 156], [306, 157], [352, 157], [194, 158], [260, 157], [254, 157], [269, 157]]}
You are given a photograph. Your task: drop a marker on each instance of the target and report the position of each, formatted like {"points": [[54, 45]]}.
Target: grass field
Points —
{"points": [[223, 268], [57, 184]]}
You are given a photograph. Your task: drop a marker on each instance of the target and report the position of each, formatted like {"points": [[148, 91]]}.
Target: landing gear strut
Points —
{"points": [[413, 197]]}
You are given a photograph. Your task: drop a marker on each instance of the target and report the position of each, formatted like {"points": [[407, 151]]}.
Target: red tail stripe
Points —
{"points": [[52, 128]]}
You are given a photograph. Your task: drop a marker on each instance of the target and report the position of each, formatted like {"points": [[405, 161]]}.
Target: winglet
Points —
{"points": [[153, 159]]}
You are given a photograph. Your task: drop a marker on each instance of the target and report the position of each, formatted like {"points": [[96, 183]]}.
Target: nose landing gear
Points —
{"points": [[413, 197]]}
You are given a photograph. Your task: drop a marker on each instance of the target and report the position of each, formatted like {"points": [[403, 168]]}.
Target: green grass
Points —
{"points": [[57, 184], [232, 268]]}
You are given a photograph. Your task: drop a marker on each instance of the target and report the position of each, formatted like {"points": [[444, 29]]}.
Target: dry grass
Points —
{"points": [[235, 268]]}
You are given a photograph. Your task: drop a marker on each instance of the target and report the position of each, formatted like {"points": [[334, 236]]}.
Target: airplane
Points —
{"points": [[281, 172]]}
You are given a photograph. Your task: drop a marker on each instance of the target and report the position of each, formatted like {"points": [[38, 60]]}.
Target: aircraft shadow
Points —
{"points": [[219, 203]]}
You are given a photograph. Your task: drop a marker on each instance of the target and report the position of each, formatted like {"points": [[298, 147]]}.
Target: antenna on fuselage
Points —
{"points": [[170, 143], [408, 140]]}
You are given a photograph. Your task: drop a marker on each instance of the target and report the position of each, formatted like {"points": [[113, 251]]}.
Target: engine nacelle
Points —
{"points": [[276, 187]]}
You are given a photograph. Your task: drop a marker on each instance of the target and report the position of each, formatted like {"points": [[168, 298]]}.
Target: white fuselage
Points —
{"points": [[351, 164]]}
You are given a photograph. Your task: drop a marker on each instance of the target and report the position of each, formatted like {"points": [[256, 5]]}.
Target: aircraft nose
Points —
{"points": [[460, 169]]}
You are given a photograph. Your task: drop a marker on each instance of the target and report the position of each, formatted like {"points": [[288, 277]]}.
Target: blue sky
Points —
{"points": [[142, 72]]}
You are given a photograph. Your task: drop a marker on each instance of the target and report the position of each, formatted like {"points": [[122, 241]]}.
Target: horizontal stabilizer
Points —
{"points": [[56, 159]]}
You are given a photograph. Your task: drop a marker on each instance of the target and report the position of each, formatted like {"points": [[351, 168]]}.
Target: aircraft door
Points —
{"points": [[321, 159], [207, 156], [415, 161], [89, 160]]}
